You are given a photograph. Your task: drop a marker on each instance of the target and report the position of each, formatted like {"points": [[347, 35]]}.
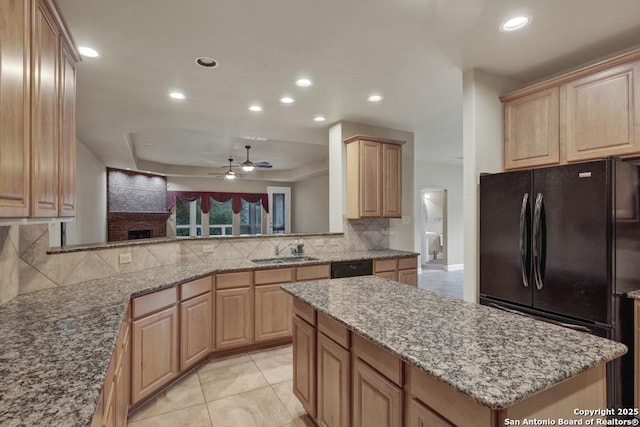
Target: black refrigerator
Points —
{"points": [[562, 244]]}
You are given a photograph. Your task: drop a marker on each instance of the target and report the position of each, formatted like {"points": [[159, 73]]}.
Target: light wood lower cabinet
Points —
{"points": [[234, 318], [334, 368], [376, 400], [408, 277], [304, 364], [403, 270], [273, 312], [155, 352], [195, 329]]}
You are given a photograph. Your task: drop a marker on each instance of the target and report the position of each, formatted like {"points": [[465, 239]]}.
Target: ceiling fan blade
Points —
{"points": [[263, 165]]}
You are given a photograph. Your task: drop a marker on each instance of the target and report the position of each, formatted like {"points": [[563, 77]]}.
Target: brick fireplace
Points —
{"points": [[136, 205]]}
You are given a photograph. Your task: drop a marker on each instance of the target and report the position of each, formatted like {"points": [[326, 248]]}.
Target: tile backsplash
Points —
{"points": [[26, 267]]}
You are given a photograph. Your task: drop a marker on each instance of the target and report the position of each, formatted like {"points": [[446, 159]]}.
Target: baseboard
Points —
{"points": [[454, 267]]}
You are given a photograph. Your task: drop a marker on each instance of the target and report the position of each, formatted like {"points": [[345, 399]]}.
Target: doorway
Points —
{"points": [[279, 216], [434, 228]]}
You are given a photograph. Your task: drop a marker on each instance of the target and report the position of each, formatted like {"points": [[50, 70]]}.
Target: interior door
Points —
{"points": [[571, 269], [279, 216], [505, 218]]}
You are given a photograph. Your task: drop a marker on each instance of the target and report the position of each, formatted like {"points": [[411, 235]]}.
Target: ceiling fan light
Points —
{"points": [[247, 168], [230, 176]]}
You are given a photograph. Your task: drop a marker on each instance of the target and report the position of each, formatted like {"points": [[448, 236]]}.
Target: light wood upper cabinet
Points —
{"points": [[37, 111], [531, 130], [15, 148], [67, 160], [155, 352], [589, 113], [44, 113], [601, 114], [374, 177]]}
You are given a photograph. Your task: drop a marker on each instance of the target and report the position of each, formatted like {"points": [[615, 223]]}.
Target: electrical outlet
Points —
{"points": [[334, 242], [125, 258], [318, 243], [391, 230], [207, 249], [406, 219]]}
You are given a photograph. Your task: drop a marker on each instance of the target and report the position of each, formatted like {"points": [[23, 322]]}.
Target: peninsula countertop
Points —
{"points": [[56, 344], [495, 358]]}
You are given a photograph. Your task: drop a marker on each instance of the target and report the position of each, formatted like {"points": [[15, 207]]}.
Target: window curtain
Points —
{"points": [[206, 196]]}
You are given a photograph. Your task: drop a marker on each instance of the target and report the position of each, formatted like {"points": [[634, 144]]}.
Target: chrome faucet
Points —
{"points": [[287, 246]]}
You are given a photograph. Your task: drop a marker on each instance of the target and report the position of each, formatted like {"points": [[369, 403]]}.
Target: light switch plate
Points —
{"points": [[406, 219], [125, 258], [207, 249]]}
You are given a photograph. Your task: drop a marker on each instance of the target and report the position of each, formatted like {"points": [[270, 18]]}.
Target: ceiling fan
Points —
{"points": [[248, 165], [229, 174]]}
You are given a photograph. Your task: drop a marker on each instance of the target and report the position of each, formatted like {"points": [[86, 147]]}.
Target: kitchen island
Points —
{"points": [[369, 351]]}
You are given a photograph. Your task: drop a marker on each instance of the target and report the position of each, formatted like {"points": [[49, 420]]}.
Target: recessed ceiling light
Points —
{"points": [[304, 82], [319, 119], [515, 23], [177, 95], [255, 108], [207, 62], [375, 98], [287, 100], [88, 52]]}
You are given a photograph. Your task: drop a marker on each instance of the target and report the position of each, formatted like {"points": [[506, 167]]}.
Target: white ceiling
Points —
{"points": [[411, 51]]}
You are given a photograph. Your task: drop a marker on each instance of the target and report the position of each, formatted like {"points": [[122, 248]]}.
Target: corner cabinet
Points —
{"points": [[37, 123], [589, 113], [374, 177]]}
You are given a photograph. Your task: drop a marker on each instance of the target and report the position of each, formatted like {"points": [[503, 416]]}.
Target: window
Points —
{"points": [[221, 219], [251, 218], [188, 218]]}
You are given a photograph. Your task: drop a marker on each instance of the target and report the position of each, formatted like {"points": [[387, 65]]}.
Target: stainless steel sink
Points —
{"points": [[284, 260]]}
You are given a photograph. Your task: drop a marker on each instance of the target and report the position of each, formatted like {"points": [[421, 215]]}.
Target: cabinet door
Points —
{"points": [[419, 415], [370, 179], [155, 352], [195, 329], [376, 400], [44, 113], [273, 313], [408, 277], [304, 364], [67, 133], [334, 374], [601, 114], [233, 318], [15, 142], [531, 130], [123, 381], [391, 180]]}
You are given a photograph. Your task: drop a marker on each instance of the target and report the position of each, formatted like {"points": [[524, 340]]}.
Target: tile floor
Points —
{"points": [[252, 389], [442, 281]]}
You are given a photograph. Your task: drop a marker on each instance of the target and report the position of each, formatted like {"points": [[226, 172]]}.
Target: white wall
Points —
{"points": [[90, 223], [310, 205], [213, 184], [402, 236], [482, 151]]}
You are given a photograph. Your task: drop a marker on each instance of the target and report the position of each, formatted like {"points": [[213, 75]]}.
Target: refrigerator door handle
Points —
{"points": [[523, 237], [537, 236]]}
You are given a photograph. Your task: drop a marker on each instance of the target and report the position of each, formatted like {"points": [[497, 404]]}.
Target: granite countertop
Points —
{"points": [[495, 358], [56, 344], [634, 294]]}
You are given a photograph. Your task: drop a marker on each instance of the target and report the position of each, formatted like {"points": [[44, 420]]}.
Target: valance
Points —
{"points": [[206, 196]]}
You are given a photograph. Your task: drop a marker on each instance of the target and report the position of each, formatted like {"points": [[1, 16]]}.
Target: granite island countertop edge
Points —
{"points": [[424, 365]]}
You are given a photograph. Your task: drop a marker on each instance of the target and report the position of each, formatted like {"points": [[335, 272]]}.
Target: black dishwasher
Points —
{"points": [[351, 268]]}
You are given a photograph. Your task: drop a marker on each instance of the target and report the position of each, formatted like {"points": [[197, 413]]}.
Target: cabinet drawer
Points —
{"points": [[195, 288], [153, 302], [407, 263], [313, 272], [233, 280], [275, 275], [379, 359], [380, 265], [304, 311], [333, 330]]}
